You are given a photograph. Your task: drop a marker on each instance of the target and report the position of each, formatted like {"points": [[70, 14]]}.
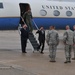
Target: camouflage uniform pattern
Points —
{"points": [[52, 40], [74, 43], [68, 41]]}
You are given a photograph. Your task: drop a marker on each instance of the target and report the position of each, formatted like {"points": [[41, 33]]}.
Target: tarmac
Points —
{"points": [[14, 62]]}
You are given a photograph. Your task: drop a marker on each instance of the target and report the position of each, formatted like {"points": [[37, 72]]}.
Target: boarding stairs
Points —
{"points": [[32, 39]]}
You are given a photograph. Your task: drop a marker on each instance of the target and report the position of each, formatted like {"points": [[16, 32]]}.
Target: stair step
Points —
{"points": [[34, 44], [33, 41], [32, 38]]}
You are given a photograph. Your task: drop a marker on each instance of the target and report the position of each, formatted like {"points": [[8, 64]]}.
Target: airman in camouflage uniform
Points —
{"points": [[74, 42], [52, 40], [68, 42]]}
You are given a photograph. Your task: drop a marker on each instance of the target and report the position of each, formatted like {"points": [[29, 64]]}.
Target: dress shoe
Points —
{"points": [[42, 52], [37, 49], [25, 52]]}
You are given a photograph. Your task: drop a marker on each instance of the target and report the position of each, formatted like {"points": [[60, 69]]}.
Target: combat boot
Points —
{"points": [[69, 61], [52, 60], [66, 60]]}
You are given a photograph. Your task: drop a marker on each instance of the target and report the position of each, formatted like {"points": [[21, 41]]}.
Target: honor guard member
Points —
{"points": [[52, 40], [24, 37], [74, 43], [28, 19], [68, 42], [41, 39]]}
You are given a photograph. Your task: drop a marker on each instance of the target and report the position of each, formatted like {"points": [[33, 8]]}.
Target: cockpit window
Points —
{"points": [[56, 13], [43, 12], [69, 13], [1, 5]]}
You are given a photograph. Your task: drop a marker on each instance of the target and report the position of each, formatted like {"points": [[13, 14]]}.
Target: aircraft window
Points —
{"points": [[57, 7], [1, 5], [69, 8], [51, 7], [72, 8], [43, 12], [56, 13], [69, 13]]}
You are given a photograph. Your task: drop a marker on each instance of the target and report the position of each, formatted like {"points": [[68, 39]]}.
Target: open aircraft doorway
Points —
{"points": [[23, 8]]}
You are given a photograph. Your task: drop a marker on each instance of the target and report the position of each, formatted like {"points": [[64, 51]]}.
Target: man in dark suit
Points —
{"points": [[24, 37], [41, 39]]}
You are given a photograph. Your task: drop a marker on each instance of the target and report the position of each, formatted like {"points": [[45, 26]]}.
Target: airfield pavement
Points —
{"points": [[14, 62]]}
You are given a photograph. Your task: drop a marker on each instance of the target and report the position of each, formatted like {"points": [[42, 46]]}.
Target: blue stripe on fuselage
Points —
{"points": [[59, 23], [9, 23]]}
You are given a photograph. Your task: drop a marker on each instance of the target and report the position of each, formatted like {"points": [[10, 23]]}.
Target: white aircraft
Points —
{"points": [[45, 13]]}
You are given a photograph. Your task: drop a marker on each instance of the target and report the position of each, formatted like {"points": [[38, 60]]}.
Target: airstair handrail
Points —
{"points": [[35, 24], [23, 20]]}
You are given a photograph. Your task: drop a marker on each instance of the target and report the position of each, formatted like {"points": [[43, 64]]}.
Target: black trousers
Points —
{"points": [[23, 44], [41, 43]]}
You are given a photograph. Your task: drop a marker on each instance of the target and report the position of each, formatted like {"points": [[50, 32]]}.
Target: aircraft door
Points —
{"points": [[23, 8]]}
